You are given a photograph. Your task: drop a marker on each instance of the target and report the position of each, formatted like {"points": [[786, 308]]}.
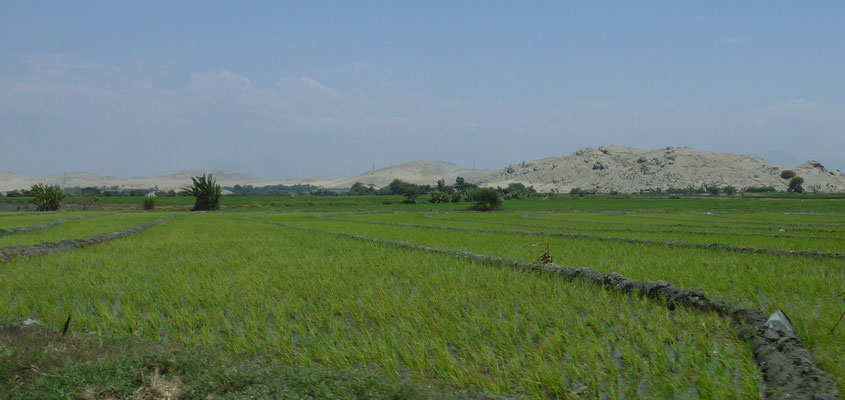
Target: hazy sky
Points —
{"points": [[310, 88]]}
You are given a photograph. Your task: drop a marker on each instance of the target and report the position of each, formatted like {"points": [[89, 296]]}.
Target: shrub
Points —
{"points": [[729, 190], [47, 197], [487, 199], [713, 190], [411, 193], [456, 197], [207, 193], [438, 197], [787, 174], [149, 203], [795, 185], [760, 189]]}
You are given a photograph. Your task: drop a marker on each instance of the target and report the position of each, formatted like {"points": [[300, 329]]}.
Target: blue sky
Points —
{"points": [[327, 88]]}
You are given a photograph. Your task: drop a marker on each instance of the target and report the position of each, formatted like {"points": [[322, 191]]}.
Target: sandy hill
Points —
{"points": [[12, 181], [630, 170], [419, 172]]}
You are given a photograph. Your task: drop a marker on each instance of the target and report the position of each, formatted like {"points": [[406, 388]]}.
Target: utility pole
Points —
{"points": [[473, 163], [374, 169]]}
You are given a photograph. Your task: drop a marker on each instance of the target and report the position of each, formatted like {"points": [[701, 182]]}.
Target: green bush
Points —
{"points": [[149, 203], [713, 190], [760, 189], [729, 190], [787, 174], [411, 193], [487, 199], [438, 197], [795, 185], [206, 191], [47, 197]]}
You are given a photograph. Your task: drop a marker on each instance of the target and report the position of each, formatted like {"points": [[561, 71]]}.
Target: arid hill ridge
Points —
{"points": [[630, 170], [605, 169], [419, 172]]}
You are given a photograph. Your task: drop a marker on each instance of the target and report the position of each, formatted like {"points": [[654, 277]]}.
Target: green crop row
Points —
{"points": [[794, 242]]}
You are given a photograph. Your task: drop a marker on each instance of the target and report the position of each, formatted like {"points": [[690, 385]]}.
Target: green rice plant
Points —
{"points": [[833, 330], [47, 197], [546, 257], [798, 285], [302, 298], [19, 221], [206, 191]]}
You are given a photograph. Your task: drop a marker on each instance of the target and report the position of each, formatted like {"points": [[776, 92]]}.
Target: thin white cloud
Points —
{"points": [[228, 113]]}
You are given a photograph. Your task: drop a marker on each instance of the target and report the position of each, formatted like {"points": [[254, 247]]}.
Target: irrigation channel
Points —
{"points": [[787, 368]]}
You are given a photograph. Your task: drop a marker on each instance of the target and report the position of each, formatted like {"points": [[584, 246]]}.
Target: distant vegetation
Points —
{"points": [[760, 189], [272, 190], [487, 199]]}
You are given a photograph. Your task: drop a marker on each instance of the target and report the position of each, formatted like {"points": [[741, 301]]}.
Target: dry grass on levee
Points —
{"points": [[312, 299]]}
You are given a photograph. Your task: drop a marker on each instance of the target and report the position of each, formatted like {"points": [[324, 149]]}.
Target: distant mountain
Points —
{"points": [[12, 181], [419, 172], [630, 170], [605, 169]]}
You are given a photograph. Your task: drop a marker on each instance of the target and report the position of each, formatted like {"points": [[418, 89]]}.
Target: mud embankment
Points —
{"points": [[668, 243], [30, 228], [70, 244], [688, 225], [630, 230]]}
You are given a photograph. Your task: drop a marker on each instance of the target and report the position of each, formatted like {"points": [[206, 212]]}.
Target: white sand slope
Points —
{"points": [[630, 170], [12, 181], [418, 172]]}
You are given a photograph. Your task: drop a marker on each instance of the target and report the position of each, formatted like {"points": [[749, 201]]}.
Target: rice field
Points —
{"points": [[251, 285]]}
